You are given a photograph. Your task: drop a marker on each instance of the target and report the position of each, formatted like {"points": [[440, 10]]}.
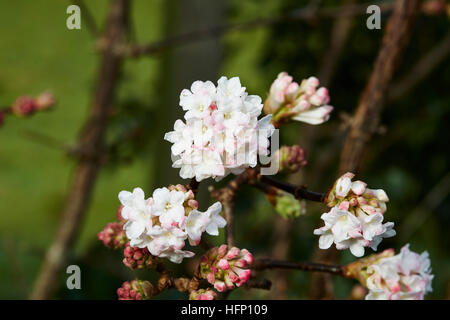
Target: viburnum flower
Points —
{"points": [[289, 158], [222, 134], [136, 212], [113, 235], [305, 102], [26, 105], [356, 216], [226, 268], [163, 222], [137, 258], [203, 294], [135, 290], [405, 276]]}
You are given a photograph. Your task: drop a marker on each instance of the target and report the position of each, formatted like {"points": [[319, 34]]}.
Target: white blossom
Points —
{"points": [[163, 222], [405, 276], [136, 211], [168, 205], [221, 133], [216, 221], [355, 220]]}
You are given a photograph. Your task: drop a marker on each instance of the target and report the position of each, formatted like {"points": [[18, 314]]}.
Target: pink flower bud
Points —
{"points": [[226, 270], [220, 286], [223, 264], [202, 294], [303, 105], [135, 290], [222, 250], [211, 278], [312, 81], [233, 276], [137, 258], [23, 106], [233, 253], [290, 158], [241, 263], [344, 205], [119, 213], [193, 204], [113, 235], [44, 101]]}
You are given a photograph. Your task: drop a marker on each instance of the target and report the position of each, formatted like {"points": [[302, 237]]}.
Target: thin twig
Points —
{"points": [[366, 119], [262, 284], [193, 185], [262, 264], [136, 51], [367, 115], [299, 192]]}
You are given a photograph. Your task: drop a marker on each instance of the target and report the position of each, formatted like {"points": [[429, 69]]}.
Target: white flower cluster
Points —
{"points": [[222, 133], [163, 222], [356, 216], [405, 276]]}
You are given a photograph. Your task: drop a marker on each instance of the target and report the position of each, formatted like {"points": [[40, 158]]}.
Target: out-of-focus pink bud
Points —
{"points": [[193, 204], [44, 101], [23, 106], [119, 213]]}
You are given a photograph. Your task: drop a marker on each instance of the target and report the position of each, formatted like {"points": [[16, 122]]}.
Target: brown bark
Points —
{"points": [[366, 119], [367, 116], [91, 140]]}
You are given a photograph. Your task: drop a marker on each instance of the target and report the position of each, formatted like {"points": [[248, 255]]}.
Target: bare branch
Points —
{"points": [[262, 264], [308, 13], [367, 115], [87, 168], [366, 119], [299, 192]]}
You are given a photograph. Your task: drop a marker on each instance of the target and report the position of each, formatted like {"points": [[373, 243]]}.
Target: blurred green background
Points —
{"points": [[409, 159]]}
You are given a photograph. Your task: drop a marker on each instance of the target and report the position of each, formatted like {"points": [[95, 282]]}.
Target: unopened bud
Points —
{"points": [[290, 158], [203, 294], [113, 235], [138, 258], [226, 268], [23, 106], [44, 101], [135, 290]]}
